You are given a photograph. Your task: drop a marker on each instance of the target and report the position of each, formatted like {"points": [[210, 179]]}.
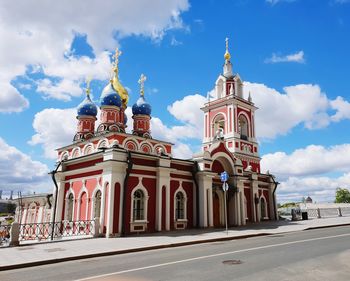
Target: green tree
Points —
{"points": [[342, 195]]}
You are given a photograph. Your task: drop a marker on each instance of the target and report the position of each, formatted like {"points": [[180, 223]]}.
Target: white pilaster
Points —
{"points": [[107, 178], [103, 208], [60, 197], [167, 207], [39, 219], [243, 214], [204, 184], [163, 176], [238, 208], [254, 191], [113, 172], [210, 206]]}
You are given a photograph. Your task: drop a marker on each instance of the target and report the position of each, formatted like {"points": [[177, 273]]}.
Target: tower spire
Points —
{"points": [[227, 55], [227, 65]]}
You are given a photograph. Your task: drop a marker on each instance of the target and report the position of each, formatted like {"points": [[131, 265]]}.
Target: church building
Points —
{"points": [[133, 184]]}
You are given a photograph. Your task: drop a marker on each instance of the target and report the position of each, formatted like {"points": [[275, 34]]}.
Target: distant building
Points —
{"points": [[34, 209], [308, 200]]}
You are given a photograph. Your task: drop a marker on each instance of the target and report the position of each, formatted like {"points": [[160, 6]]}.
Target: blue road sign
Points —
{"points": [[224, 176]]}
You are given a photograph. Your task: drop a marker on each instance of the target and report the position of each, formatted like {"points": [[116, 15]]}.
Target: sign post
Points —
{"points": [[224, 177]]}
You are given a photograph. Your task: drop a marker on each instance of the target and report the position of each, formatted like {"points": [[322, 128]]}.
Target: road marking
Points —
{"points": [[211, 256]]}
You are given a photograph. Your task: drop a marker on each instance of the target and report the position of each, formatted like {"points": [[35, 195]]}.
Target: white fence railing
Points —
{"points": [[327, 212]]}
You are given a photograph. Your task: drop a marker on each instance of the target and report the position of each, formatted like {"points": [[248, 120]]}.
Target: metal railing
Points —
{"points": [[43, 231], [5, 235]]}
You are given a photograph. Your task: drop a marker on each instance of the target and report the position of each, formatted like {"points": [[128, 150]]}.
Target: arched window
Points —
{"points": [[97, 205], [69, 212], [139, 205], [31, 213], [180, 206], [243, 127], [219, 126]]}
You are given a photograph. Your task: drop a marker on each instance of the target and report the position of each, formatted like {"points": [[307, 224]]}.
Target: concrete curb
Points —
{"points": [[157, 247], [327, 226]]}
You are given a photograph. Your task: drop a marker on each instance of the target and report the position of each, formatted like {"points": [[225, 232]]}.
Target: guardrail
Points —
{"points": [[328, 212], [13, 235], [43, 231]]}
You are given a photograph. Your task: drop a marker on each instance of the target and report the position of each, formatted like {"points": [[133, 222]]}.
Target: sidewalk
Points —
{"points": [[46, 253]]}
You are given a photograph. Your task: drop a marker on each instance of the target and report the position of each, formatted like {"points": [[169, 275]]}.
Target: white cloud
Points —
{"points": [[311, 160], [274, 2], [38, 34], [54, 128], [320, 189], [182, 151], [19, 172], [280, 112], [342, 108], [24, 86], [11, 100], [297, 57], [188, 110], [305, 172], [63, 90], [175, 42]]}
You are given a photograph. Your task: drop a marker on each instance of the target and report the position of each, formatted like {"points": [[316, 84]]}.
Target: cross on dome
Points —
{"points": [[87, 89], [116, 56]]}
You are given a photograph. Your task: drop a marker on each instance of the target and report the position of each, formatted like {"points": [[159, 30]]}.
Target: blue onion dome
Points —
{"points": [[110, 96], [141, 107], [87, 107]]}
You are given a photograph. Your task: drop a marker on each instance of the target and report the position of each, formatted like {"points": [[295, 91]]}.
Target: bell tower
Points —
{"points": [[230, 118]]}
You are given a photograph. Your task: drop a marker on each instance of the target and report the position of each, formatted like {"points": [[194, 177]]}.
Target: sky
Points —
{"points": [[293, 55]]}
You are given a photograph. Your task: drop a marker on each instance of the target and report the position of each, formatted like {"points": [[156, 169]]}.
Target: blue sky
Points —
{"points": [[293, 55]]}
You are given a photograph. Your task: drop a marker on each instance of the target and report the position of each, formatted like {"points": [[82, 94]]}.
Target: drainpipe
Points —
{"points": [[128, 171], [273, 195], [53, 173], [194, 173]]}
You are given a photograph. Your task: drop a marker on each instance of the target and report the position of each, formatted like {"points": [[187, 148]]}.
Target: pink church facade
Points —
{"points": [[132, 183]]}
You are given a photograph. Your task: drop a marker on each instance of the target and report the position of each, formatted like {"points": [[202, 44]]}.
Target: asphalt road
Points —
{"points": [[322, 254]]}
